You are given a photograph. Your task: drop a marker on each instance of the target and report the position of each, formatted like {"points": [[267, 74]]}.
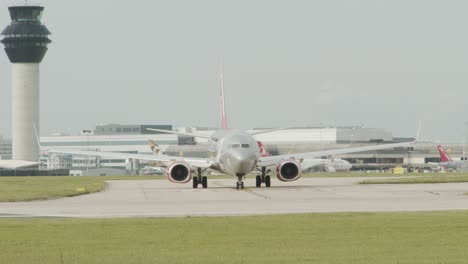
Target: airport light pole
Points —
{"points": [[25, 41]]}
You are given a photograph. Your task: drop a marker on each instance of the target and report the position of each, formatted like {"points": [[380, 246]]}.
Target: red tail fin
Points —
{"points": [[444, 157], [221, 100], [263, 151]]}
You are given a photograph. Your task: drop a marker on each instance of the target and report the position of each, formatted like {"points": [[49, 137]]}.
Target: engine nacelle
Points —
{"points": [[179, 172], [288, 170]]}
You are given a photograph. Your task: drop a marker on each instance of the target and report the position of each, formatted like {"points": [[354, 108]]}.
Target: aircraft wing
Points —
{"points": [[194, 162], [272, 160]]}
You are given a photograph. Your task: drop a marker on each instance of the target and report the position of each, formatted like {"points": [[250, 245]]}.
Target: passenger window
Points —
{"points": [[235, 145], [245, 146]]}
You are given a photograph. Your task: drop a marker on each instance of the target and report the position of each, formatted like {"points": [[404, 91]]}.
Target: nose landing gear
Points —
{"points": [[240, 182]]}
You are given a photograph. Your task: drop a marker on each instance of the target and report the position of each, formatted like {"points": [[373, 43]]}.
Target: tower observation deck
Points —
{"points": [[25, 41]]}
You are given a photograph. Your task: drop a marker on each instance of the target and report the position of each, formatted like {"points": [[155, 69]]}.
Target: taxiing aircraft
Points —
{"points": [[234, 152]]}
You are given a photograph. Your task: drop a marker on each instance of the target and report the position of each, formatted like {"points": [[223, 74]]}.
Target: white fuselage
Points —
{"points": [[453, 164], [235, 152]]}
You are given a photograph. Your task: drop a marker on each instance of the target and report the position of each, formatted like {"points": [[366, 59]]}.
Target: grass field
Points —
{"points": [[437, 178], [14, 189], [432, 237]]}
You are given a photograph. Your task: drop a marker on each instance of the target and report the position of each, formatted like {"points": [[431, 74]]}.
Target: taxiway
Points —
{"points": [[160, 198]]}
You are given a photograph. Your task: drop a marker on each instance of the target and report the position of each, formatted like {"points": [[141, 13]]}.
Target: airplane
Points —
{"points": [[234, 152], [447, 162], [154, 167], [315, 165]]}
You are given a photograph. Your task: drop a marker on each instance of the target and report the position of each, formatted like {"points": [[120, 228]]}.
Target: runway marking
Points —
{"points": [[247, 190], [142, 189], [254, 193], [107, 186]]}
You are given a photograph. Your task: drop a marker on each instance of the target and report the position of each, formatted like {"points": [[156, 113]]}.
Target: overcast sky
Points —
{"points": [[286, 63]]}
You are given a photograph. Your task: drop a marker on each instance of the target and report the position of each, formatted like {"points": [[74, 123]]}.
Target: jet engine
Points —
{"points": [[179, 172], [288, 170]]}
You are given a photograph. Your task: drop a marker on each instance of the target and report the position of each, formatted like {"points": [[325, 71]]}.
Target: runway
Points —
{"points": [[160, 198]]}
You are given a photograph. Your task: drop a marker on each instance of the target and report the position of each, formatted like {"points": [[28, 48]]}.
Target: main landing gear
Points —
{"points": [[199, 179], [263, 178], [240, 182]]}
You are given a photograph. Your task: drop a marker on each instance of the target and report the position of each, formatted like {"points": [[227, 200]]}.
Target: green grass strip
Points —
{"points": [[428, 237], [15, 189]]}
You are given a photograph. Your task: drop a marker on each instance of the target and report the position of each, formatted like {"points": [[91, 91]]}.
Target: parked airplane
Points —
{"points": [[235, 152], [155, 148], [155, 167], [447, 162]]}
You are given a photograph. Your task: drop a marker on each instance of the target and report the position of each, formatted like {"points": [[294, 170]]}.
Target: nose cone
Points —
{"points": [[243, 163]]}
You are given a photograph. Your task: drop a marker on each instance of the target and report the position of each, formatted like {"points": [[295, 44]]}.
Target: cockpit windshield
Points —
{"points": [[235, 146]]}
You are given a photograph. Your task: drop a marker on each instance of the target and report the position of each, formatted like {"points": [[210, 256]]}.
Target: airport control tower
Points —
{"points": [[25, 41]]}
